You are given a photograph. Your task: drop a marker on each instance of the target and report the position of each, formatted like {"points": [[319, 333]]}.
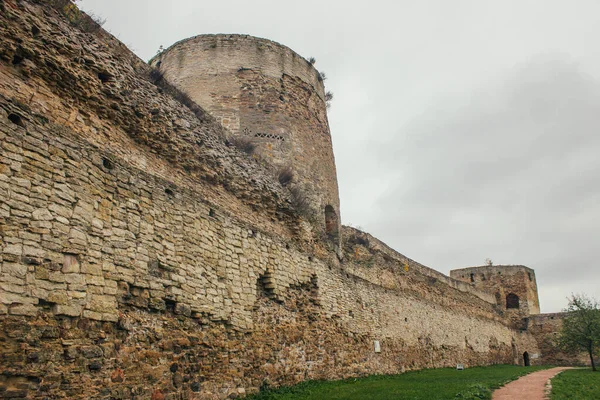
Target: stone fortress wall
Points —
{"points": [[545, 328], [72, 256], [141, 255], [363, 248]]}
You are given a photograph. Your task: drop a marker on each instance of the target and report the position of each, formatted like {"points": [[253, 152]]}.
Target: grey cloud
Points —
{"points": [[511, 174]]}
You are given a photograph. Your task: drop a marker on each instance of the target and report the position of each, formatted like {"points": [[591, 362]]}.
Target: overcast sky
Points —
{"points": [[462, 130]]}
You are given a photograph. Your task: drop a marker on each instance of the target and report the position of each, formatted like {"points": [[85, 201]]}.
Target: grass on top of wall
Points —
{"points": [[430, 384], [576, 384]]}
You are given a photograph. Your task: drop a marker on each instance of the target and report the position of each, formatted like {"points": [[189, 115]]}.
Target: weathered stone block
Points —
{"points": [[91, 351], [97, 223], [16, 298], [42, 214], [157, 304], [58, 297], [102, 303], [62, 211], [110, 317], [94, 280], [15, 249], [39, 293], [70, 264], [15, 269], [183, 309], [77, 295], [70, 310], [83, 212], [23, 309], [34, 252]]}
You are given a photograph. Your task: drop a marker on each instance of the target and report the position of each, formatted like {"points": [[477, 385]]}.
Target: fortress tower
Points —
{"points": [[266, 95], [514, 286]]}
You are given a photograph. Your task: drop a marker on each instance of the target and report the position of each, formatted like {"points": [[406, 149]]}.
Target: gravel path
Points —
{"points": [[528, 387]]}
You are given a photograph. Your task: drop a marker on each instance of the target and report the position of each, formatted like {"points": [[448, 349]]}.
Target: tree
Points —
{"points": [[581, 327]]}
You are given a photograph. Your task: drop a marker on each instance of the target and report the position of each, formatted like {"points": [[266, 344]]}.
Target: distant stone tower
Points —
{"points": [[266, 94], [514, 286]]}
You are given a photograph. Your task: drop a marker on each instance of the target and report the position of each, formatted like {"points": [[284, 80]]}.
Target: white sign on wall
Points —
{"points": [[377, 346]]}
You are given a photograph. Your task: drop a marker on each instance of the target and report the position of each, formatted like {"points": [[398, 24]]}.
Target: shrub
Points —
{"points": [[312, 61], [243, 143], [60, 4], [87, 23], [285, 175], [301, 202], [328, 98], [156, 76], [322, 76], [90, 23]]}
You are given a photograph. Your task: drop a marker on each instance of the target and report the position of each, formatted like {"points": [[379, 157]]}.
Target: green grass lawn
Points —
{"points": [[431, 384], [576, 384]]}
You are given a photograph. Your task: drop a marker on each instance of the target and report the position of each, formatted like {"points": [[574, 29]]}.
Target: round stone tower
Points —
{"points": [[514, 286], [272, 103]]}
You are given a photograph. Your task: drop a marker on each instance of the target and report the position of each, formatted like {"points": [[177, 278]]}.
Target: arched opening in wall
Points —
{"points": [[526, 359], [472, 277], [331, 223], [512, 301]]}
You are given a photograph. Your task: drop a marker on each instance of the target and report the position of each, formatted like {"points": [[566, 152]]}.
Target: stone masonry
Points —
{"points": [[142, 256]]}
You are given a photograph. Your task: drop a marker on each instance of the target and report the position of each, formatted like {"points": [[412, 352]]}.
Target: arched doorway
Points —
{"points": [[526, 359]]}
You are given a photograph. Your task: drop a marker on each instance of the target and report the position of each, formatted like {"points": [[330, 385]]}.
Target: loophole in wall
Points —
{"points": [[104, 77], [106, 163], [16, 119]]}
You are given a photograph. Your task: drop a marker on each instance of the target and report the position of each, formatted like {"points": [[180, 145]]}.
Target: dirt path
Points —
{"points": [[528, 387]]}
